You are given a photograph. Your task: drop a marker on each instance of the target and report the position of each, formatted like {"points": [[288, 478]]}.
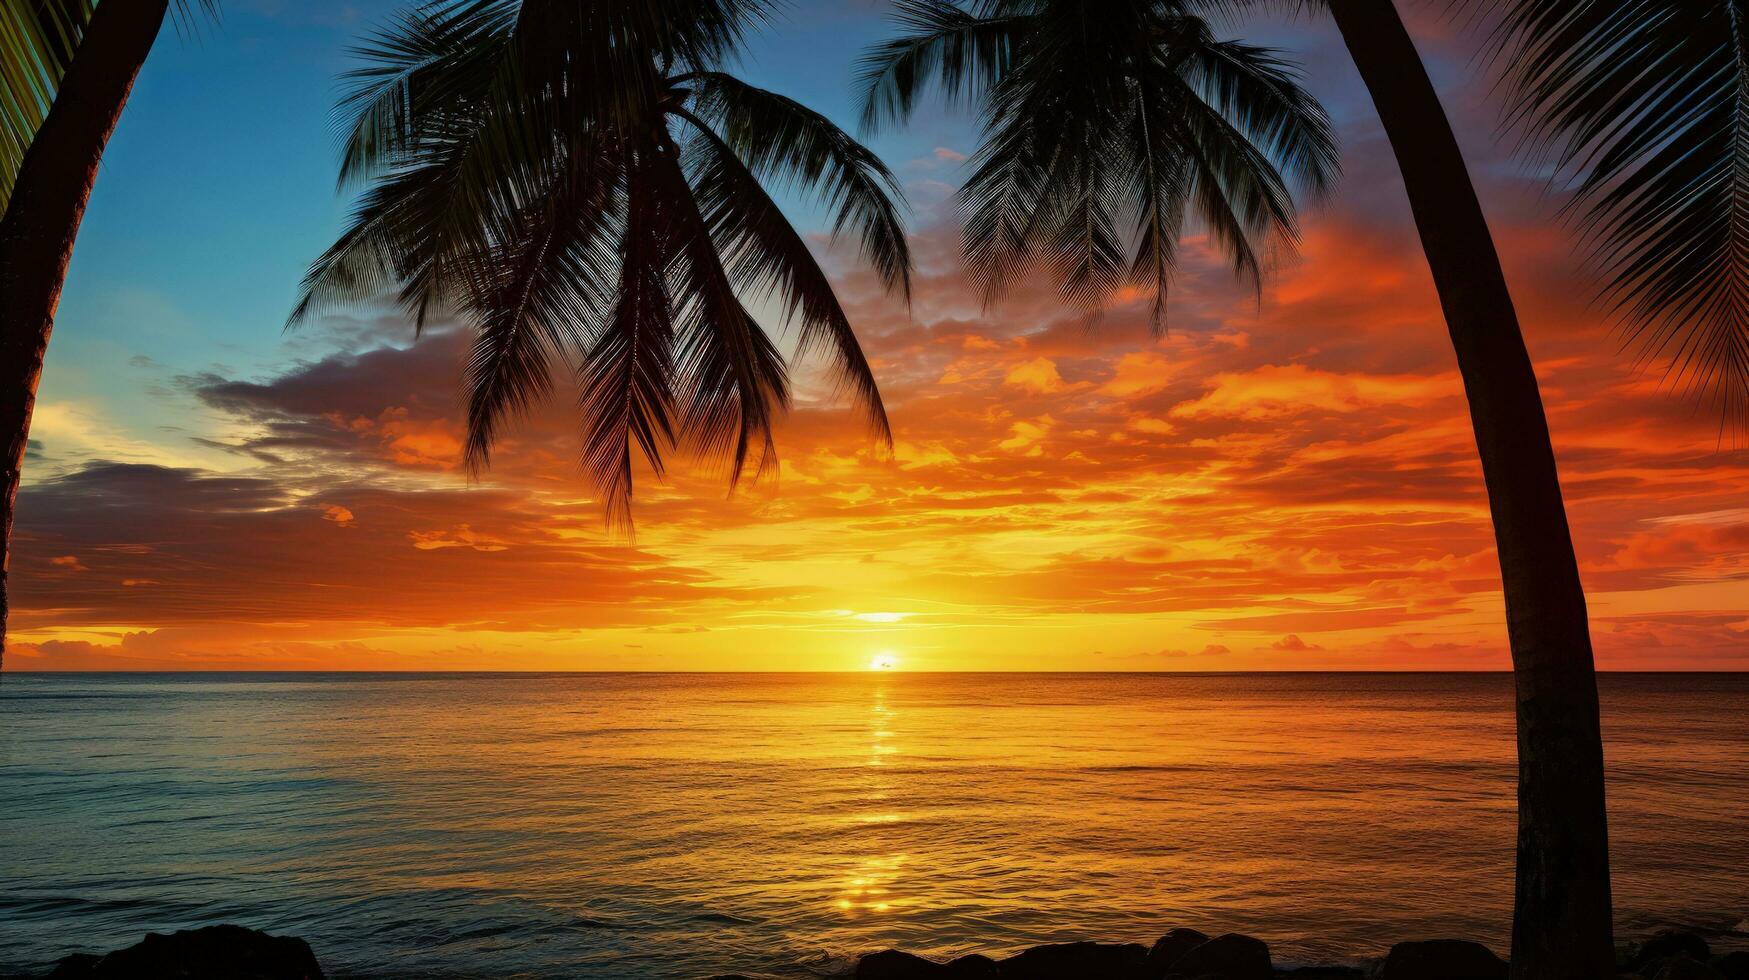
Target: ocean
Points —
{"points": [[680, 825]]}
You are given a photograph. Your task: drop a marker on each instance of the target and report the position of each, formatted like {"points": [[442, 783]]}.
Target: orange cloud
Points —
{"points": [[1038, 375], [1276, 391], [1280, 482]]}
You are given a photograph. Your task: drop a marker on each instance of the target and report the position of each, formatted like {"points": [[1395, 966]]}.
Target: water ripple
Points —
{"points": [[682, 825]]}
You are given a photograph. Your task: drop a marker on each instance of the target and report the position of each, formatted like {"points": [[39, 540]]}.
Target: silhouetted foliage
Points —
{"points": [[585, 183], [1104, 125]]}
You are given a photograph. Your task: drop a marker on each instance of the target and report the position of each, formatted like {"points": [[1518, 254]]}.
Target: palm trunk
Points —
{"points": [[1561, 927], [48, 202]]}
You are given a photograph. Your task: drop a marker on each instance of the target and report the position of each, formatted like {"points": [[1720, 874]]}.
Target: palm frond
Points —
{"points": [[518, 169], [782, 140], [1239, 194], [452, 173], [1258, 93], [1160, 187], [37, 41], [1643, 108], [540, 294], [1039, 183], [418, 72], [940, 45], [1104, 126], [625, 376], [762, 252], [596, 59], [733, 379], [1082, 242]]}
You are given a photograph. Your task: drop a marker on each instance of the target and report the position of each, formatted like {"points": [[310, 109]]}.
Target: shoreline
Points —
{"points": [[231, 952]]}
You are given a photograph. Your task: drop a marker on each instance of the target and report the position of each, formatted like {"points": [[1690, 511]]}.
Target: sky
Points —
{"points": [[1286, 480]]}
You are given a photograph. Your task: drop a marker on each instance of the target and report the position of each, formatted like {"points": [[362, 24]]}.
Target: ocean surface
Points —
{"points": [[669, 825]]}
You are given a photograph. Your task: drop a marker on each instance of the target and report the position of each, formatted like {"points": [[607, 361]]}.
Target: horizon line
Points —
{"points": [[1504, 671]]}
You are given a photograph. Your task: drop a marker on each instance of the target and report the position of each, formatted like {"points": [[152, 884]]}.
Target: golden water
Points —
{"points": [[681, 825]]}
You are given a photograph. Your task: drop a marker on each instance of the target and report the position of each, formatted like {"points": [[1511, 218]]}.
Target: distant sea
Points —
{"points": [[673, 825]]}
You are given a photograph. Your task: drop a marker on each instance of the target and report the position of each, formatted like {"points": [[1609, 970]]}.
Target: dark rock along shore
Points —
{"points": [[1186, 954], [235, 953]]}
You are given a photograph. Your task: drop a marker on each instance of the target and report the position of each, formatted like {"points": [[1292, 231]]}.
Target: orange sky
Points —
{"points": [[1284, 484]]}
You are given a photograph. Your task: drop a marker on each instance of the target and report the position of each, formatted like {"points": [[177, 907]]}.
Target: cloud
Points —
{"points": [[1138, 373], [247, 550], [1275, 391], [1291, 473], [1210, 650], [1038, 375]]}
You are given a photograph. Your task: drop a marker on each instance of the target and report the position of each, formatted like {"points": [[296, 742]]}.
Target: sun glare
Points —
{"points": [[884, 661]]}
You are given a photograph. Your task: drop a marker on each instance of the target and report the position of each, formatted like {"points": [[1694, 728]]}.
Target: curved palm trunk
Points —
{"points": [[1561, 927], [48, 202]]}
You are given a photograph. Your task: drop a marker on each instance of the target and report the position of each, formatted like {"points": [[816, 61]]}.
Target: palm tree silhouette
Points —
{"points": [[1646, 108], [1562, 925], [585, 181], [1102, 126]]}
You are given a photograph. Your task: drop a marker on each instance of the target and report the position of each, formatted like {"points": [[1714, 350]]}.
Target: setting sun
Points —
{"points": [[1255, 467]]}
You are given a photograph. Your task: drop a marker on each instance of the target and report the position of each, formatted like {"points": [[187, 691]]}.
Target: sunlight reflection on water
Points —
{"points": [[681, 825]]}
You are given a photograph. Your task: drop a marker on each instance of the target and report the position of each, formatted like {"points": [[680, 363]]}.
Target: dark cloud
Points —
{"points": [[158, 546]]}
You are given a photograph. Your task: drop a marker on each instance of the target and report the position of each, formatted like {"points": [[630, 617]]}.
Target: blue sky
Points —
{"points": [[218, 189]]}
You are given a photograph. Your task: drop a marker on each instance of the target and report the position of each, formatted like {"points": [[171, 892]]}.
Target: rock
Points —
{"points": [[1228, 957], [76, 965], [973, 967], [1735, 966], [1667, 944], [1442, 959], [1170, 947], [1683, 967], [1078, 961], [891, 964], [212, 953]]}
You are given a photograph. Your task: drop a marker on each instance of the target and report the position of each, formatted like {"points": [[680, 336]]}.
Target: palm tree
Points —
{"points": [[1561, 924], [585, 182], [1008, 54], [1101, 126], [84, 60]]}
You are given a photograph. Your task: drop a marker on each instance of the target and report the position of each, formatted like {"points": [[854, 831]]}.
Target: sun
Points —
{"points": [[884, 660]]}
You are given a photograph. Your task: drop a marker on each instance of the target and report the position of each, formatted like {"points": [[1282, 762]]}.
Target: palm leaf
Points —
{"points": [[418, 74], [782, 140], [539, 294], [1103, 127], [1643, 110], [517, 169], [37, 42], [453, 166], [733, 379], [942, 45], [626, 374], [762, 252]]}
